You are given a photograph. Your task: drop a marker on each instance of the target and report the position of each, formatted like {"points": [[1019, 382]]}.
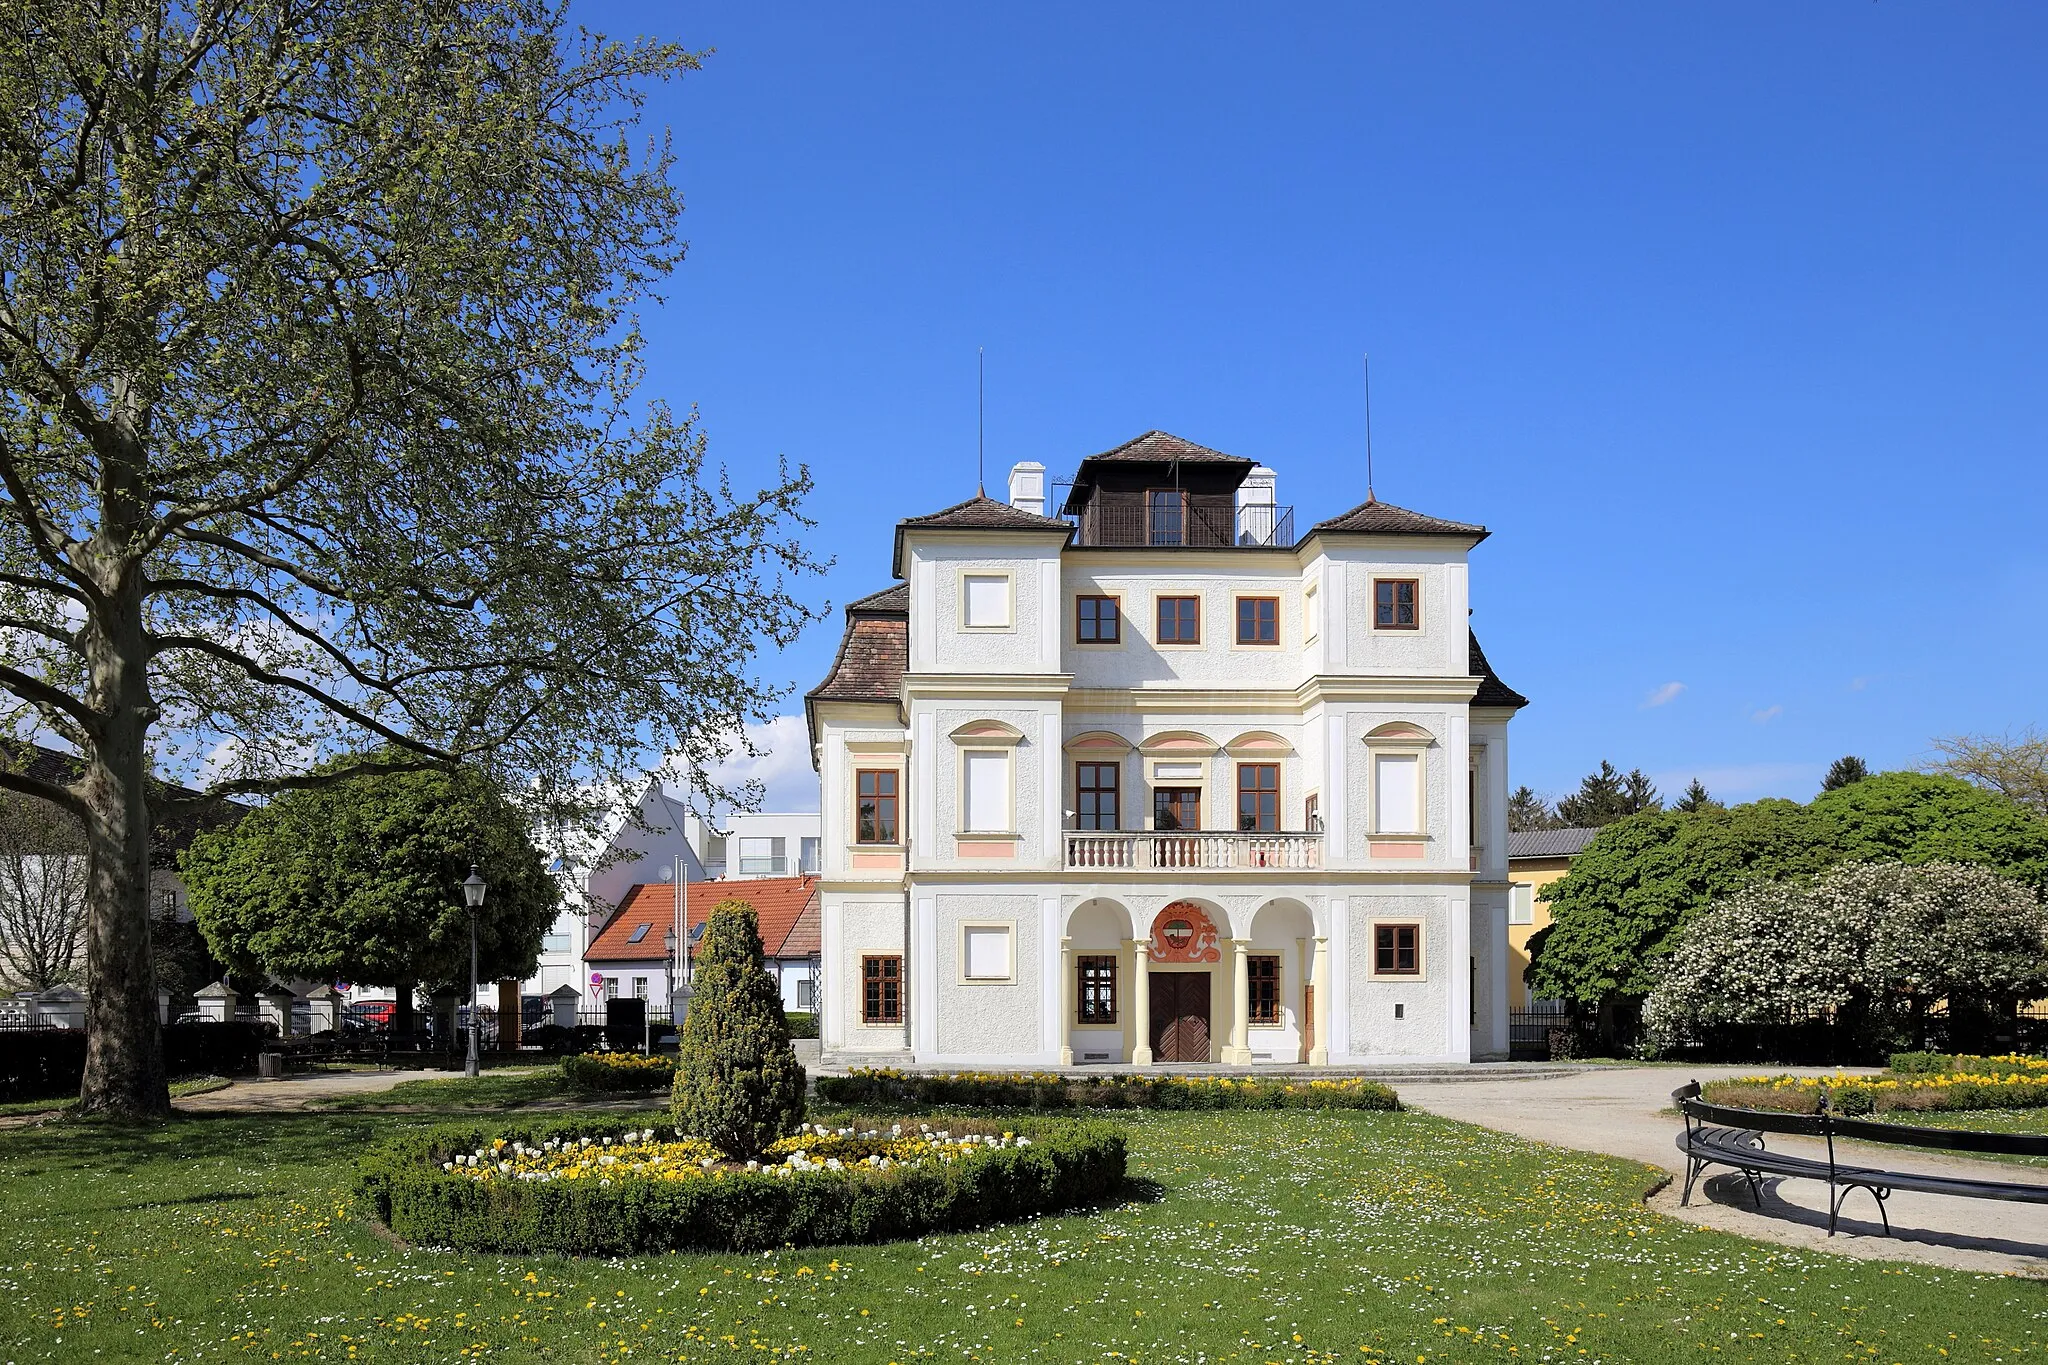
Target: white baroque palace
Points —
{"points": [[1156, 781]]}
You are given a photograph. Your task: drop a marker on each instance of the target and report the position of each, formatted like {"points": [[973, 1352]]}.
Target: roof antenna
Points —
{"points": [[980, 423], [1370, 496]]}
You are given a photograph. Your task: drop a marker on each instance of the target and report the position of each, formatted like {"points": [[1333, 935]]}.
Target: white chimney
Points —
{"points": [[1256, 510], [1027, 487]]}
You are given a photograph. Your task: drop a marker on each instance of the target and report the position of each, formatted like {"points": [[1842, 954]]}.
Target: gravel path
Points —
{"points": [[1627, 1112]]}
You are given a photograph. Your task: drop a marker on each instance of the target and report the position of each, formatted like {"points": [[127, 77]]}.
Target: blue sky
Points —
{"points": [[1728, 320]]}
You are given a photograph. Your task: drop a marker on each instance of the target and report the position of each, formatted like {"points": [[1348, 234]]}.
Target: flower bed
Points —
{"points": [[1911, 1093], [586, 1186], [609, 1072], [1053, 1090], [1935, 1063]]}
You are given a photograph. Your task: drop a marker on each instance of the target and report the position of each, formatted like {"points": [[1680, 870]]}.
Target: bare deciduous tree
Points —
{"points": [[42, 893], [2016, 767]]}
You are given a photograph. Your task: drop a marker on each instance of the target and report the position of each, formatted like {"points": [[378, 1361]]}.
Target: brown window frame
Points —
{"points": [[1387, 949], [1159, 619], [1312, 813], [1115, 789], [881, 990], [1160, 800], [1266, 819], [1262, 990], [891, 800], [1116, 619], [1095, 989], [1272, 605], [1177, 496], [1392, 608]]}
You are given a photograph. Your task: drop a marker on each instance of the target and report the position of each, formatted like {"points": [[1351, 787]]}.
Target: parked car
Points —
{"points": [[374, 1013]]}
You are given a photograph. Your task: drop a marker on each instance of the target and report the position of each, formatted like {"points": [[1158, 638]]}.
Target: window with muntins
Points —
{"points": [[1262, 977], [1258, 797], [1177, 808], [875, 799], [1096, 988], [881, 994], [1258, 620], [1397, 949], [1097, 621], [1393, 604], [1180, 620], [1096, 792], [1166, 516]]}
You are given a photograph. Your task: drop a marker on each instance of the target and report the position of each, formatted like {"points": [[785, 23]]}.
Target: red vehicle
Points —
{"points": [[373, 1013]]}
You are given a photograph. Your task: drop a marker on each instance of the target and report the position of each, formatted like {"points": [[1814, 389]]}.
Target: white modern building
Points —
{"points": [[1157, 781]]}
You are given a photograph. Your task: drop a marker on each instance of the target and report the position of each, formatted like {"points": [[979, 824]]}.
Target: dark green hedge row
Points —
{"points": [[1069, 1163], [38, 1064], [1046, 1090], [594, 1077], [802, 1023]]}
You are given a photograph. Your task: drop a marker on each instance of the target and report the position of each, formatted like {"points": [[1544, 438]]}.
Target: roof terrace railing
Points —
{"points": [[1252, 526]]}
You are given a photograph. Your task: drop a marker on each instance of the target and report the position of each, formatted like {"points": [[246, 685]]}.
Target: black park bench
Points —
{"points": [[1715, 1135]]}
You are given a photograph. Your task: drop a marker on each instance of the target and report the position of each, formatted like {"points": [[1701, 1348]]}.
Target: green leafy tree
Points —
{"points": [[318, 430], [361, 881], [1608, 795], [2016, 767], [1871, 944], [1696, 799], [1844, 772], [1527, 810], [738, 1083], [1926, 818], [1620, 909]]}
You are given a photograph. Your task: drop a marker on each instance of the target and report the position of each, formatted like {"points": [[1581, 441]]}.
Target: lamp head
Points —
{"points": [[473, 889]]}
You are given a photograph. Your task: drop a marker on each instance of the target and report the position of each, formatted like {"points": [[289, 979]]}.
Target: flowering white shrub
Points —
{"points": [[1861, 935]]}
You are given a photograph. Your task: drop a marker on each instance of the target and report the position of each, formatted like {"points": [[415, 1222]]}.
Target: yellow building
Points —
{"points": [[1536, 858]]}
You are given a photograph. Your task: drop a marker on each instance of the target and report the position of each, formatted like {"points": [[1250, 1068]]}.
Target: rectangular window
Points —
{"points": [[808, 848], [1176, 808], [1522, 904], [875, 794], [1258, 620], [763, 857], [1397, 949], [1166, 516], [806, 994], [1312, 813], [1096, 989], [1095, 795], [881, 990], [985, 790], [1262, 975], [1180, 621], [611, 988], [985, 601], [1397, 794], [985, 952], [1097, 621], [1311, 625], [554, 943], [639, 988], [1258, 797], [1393, 604]]}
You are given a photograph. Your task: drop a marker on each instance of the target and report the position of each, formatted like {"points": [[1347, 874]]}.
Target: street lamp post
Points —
{"points": [[473, 897]]}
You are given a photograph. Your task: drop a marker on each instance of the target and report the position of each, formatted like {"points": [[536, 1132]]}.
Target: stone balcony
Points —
{"points": [[1192, 851]]}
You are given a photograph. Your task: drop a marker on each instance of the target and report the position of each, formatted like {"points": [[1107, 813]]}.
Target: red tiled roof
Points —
{"points": [[1383, 518], [780, 904], [1160, 447]]}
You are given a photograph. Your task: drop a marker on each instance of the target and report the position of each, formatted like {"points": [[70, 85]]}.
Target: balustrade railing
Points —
{"points": [[1193, 851]]}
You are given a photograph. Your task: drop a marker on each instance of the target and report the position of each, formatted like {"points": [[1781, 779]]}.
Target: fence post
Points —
{"points": [[60, 1007], [275, 1007], [326, 1005], [216, 1003], [562, 1004]]}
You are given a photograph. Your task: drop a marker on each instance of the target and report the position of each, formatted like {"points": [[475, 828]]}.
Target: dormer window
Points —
{"points": [[1166, 516], [1394, 604]]}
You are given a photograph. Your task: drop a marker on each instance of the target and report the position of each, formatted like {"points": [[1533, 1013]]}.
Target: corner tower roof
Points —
{"points": [[979, 513]]}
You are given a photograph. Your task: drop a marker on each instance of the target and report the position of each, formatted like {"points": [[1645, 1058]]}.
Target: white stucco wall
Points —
{"points": [[852, 927], [980, 1019], [1374, 1032]]}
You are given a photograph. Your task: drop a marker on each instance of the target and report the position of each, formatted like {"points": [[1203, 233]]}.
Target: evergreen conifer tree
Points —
{"points": [[1696, 798], [1846, 771], [1527, 810], [738, 1083]]}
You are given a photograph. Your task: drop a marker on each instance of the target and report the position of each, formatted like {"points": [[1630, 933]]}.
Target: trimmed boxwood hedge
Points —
{"points": [[1051, 1090], [1069, 1163], [592, 1075]]}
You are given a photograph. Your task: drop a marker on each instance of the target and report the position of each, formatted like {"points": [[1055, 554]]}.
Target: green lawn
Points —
{"points": [[189, 1085], [1250, 1237], [459, 1094]]}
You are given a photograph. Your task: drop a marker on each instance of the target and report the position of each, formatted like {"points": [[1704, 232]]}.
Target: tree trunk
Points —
{"points": [[124, 1062], [402, 1021]]}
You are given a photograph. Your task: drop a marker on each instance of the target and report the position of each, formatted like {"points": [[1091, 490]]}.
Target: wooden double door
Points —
{"points": [[1180, 1016]]}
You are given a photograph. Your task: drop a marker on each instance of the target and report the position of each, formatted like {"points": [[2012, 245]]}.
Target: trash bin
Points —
{"points": [[270, 1066]]}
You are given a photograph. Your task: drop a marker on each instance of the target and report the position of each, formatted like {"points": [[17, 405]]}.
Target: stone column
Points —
{"points": [[325, 1002], [1319, 1055], [216, 1003], [1237, 1052], [1141, 1002], [1067, 987]]}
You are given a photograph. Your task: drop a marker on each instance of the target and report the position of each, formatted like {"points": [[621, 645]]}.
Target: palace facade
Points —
{"points": [[1145, 777]]}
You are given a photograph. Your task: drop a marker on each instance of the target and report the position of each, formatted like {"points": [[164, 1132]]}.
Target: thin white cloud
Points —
{"points": [[1858, 684], [1767, 715], [782, 766], [1663, 695]]}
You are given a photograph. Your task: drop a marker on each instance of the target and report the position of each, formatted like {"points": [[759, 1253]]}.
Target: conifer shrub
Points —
{"points": [[738, 1083]]}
